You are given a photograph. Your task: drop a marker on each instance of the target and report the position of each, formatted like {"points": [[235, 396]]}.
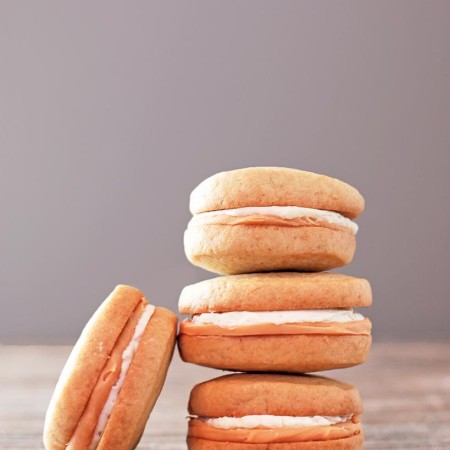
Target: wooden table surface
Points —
{"points": [[405, 388]]}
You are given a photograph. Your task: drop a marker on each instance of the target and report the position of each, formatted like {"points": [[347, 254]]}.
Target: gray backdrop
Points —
{"points": [[111, 112]]}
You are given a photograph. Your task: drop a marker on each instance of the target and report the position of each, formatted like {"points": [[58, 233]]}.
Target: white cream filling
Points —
{"points": [[127, 357], [288, 212], [267, 421], [242, 318]]}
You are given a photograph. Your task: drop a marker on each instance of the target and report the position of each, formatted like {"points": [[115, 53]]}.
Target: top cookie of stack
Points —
{"points": [[262, 219]]}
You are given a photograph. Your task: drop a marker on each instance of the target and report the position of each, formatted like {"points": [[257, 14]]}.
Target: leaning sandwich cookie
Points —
{"points": [[279, 412], [263, 219], [276, 322], [113, 376]]}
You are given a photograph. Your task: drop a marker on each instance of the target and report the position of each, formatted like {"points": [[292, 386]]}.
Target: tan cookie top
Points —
{"points": [[275, 291], [239, 395], [275, 186]]}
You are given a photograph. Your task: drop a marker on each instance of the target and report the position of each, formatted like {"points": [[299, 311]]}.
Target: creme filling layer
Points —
{"points": [[287, 213], [260, 429], [268, 421], [243, 318], [95, 417], [338, 322]]}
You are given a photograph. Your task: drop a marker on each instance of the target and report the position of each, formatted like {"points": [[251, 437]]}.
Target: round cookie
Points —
{"points": [[275, 186], [285, 353], [269, 218], [275, 291], [276, 322], [278, 412], [248, 248], [113, 376]]}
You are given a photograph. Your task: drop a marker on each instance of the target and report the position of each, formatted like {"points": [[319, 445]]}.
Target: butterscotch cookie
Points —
{"points": [[113, 376], [274, 412], [270, 218], [276, 322]]}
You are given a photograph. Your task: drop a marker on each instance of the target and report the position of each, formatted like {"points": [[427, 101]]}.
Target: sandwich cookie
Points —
{"points": [[113, 376], [274, 412], [276, 322], [263, 219]]}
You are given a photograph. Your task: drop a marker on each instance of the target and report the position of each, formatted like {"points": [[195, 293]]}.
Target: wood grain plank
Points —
{"points": [[405, 387]]}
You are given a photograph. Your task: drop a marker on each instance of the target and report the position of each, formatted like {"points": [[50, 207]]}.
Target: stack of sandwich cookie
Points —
{"points": [[113, 376], [262, 226]]}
